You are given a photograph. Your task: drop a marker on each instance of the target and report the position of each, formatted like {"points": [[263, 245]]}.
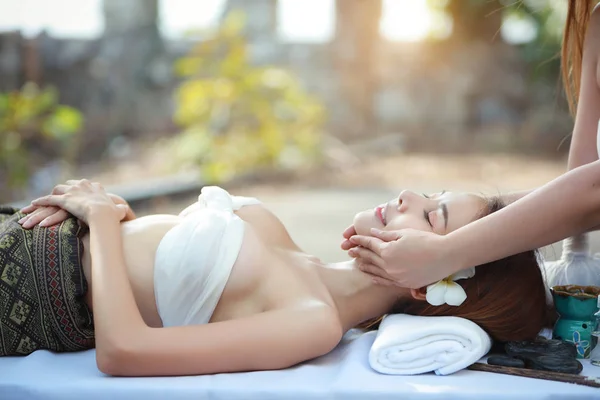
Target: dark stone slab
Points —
{"points": [[506, 361]]}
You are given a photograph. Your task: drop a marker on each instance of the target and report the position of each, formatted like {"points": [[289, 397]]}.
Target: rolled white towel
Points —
{"points": [[410, 345]]}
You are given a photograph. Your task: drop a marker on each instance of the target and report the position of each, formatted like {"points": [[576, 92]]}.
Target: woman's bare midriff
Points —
{"points": [[258, 281]]}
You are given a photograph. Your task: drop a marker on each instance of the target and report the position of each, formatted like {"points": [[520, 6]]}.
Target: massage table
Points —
{"points": [[343, 374]]}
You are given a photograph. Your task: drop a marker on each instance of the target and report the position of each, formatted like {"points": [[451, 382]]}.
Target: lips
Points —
{"points": [[380, 213]]}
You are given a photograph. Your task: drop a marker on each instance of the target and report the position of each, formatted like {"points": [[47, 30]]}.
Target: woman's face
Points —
{"points": [[440, 213]]}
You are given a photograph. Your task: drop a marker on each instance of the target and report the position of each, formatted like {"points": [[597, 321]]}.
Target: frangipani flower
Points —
{"points": [[447, 291]]}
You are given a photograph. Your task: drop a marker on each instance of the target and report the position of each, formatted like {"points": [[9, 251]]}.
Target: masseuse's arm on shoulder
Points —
{"points": [[583, 149], [511, 197], [579, 205], [566, 206]]}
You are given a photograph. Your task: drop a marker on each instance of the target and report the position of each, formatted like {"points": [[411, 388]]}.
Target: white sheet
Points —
{"points": [[343, 374], [411, 345]]}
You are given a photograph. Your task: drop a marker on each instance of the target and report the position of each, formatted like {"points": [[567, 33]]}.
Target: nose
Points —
{"points": [[405, 198]]}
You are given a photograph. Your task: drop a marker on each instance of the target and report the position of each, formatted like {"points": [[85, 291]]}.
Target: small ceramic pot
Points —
{"points": [[576, 306]]}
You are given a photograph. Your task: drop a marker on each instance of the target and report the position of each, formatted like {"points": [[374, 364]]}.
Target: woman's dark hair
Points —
{"points": [[507, 297]]}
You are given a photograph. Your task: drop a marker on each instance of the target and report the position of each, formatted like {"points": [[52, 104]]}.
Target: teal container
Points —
{"points": [[576, 306]]}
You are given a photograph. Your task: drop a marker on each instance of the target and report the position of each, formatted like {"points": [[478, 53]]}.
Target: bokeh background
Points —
{"points": [[319, 107]]}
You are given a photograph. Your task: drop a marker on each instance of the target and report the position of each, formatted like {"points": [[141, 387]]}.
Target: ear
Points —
{"points": [[419, 294]]}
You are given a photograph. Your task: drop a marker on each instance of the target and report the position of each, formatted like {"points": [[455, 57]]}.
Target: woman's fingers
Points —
{"points": [[367, 256], [33, 215], [50, 200], [368, 242], [60, 189], [74, 182], [375, 271], [347, 245], [38, 216], [56, 218], [123, 209], [116, 198], [350, 231], [386, 236], [29, 209], [383, 282]]}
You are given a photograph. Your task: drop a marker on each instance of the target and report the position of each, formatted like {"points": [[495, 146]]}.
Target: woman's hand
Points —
{"points": [[407, 258], [80, 198], [50, 215]]}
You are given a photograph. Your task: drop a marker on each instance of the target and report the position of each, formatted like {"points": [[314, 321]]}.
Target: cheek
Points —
{"points": [[408, 221], [363, 222]]}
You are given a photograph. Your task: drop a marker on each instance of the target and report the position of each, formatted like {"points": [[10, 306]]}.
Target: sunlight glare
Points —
{"points": [[406, 20]]}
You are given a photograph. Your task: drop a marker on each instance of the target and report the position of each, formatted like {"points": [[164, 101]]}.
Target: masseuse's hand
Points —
{"points": [[82, 199], [348, 233], [407, 258], [50, 215]]}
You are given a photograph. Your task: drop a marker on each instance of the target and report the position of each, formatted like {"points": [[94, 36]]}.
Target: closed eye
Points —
{"points": [[426, 216]]}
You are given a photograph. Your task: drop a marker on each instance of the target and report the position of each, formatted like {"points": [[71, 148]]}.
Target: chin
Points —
{"points": [[363, 222]]}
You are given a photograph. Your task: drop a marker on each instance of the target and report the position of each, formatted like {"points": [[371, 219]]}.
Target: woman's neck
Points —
{"points": [[354, 293]]}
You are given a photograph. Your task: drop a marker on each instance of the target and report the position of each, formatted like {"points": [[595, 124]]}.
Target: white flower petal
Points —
{"points": [[436, 293], [455, 295], [464, 274]]}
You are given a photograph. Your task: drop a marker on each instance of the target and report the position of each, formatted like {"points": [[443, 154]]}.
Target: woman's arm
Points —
{"points": [[267, 341], [116, 316], [125, 346]]}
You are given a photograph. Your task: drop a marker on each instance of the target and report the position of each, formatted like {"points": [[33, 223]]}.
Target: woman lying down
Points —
{"points": [[222, 287]]}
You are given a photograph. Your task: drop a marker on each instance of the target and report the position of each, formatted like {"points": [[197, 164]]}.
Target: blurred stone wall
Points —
{"points": [[439, 96]]}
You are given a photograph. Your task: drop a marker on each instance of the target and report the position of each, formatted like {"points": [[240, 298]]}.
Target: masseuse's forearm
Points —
{"points": [[583, 145], [116, 316], [568, 205], [511, 197], [583, 151]]}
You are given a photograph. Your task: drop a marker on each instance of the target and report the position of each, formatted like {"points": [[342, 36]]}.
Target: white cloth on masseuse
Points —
{"points": [[195, 258]]}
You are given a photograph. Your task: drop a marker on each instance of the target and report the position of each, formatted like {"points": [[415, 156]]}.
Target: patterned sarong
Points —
{"points": [[42, 287]]}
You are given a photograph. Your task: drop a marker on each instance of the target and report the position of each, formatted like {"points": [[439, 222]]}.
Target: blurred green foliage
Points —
{"points": [[476, 20], [543, 52], [30, 119], [238, 117]]}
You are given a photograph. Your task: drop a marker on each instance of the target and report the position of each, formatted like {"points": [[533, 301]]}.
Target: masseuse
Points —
{"points": [[567, 206]]}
